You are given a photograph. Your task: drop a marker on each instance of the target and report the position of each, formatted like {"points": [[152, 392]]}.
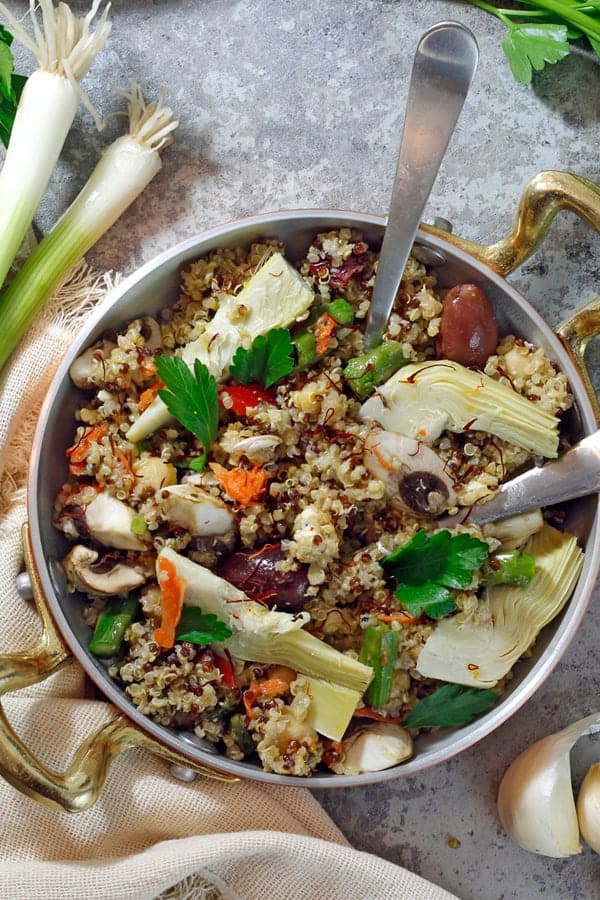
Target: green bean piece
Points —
{"points": [[510, 567], [341, 311], [111, 625], [380, 651], [306, 349], [364, 373]]}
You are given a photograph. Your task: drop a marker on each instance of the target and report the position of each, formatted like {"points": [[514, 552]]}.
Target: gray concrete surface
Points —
{"points": [[286, 104]]}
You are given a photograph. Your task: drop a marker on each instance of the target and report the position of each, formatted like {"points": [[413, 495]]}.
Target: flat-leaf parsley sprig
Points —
{"points": [[191, 397], [268, 360], [201, 628], [426, 567], [540, 31], [450, 705]]}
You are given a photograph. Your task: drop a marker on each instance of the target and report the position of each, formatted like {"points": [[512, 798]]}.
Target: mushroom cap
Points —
{"points": [[81, 570]]}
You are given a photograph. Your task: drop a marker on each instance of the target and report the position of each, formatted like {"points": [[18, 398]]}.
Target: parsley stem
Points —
{"points": [[570, 14]]}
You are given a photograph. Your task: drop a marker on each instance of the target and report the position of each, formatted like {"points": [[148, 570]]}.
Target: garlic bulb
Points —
{"points": [[535, 799], [588, 807]]}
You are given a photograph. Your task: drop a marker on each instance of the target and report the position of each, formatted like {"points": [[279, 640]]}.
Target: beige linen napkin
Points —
{"points": [[148, 833]]}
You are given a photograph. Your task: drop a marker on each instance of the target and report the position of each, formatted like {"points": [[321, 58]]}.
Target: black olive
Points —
{"points": [[254, 572]]}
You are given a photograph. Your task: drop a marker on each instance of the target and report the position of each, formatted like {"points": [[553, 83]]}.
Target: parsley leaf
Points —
{"points": [[427, 566], [200, 628], [269, 359], [449, 705], [11, 86], [529, 47], [191, 398], [540, 31]]}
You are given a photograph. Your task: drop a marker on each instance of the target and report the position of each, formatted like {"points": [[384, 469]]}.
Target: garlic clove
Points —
{"points": [[588, 808], [535, 799]]}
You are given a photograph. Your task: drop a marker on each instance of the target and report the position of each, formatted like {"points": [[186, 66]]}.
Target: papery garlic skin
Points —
{"points": [[588, 808], [535, 799]]}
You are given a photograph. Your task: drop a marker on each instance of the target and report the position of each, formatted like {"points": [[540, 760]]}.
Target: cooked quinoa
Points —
{"points": [[330, 519]]}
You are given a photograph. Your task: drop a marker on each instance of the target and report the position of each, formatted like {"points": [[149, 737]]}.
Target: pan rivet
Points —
{"points": [[23, 586], [181, 773]]}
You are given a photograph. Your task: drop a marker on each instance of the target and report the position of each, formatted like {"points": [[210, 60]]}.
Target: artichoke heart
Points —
{"points": [[479, 654], [304, 653], [275, 296], [423, 399]]}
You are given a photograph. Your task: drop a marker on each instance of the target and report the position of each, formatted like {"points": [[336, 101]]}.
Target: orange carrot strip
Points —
{"points": [[402, 617], [245, 486], [148, 365], [147, 396], [324, 330], [78, 452], [277, 685], [172, 588]]}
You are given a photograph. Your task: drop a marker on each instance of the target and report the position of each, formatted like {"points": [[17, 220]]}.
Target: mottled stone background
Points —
{"points": [[287, 104]]}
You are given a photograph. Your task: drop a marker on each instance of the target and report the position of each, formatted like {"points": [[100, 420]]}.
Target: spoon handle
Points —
{"points": [[575, 474], [443, 68]]}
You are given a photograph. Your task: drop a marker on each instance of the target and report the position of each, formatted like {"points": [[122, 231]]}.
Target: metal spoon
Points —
{"points": [[575, 474], [443, 68]]}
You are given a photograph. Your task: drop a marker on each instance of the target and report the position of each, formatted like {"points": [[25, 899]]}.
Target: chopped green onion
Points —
{"points": [[138, 525], [380, 651], [124, 170], [65, 48]]}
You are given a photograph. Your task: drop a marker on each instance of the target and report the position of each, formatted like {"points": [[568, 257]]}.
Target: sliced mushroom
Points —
{"points": [[374, 748], [109, 521], [83, 573], [413, 474], [88, 369], [196, 510]]}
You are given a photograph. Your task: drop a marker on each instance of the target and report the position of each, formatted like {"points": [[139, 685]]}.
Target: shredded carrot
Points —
{"points": [[324, 330], [172, 589], [245, 486], [402, 618], [147, 396], [78, 452], [148, 365], [276, 685]]}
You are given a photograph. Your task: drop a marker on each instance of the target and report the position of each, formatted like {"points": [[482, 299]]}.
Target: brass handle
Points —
{"points": [[576, 332], [78, 787], [543, 197]]}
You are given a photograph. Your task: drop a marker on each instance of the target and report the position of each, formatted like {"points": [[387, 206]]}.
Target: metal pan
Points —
{"points": [[65, 635]]}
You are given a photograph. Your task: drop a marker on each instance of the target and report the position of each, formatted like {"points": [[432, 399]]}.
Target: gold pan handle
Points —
{"points": [[543, 197], [78, 787]]}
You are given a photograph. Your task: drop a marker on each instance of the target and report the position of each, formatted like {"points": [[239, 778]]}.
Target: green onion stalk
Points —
{"points": [[124, 170], [64, 47]]}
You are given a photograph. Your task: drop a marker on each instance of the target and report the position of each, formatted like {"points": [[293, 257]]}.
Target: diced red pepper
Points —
{"points": [[246, 396], [223, 664]]}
